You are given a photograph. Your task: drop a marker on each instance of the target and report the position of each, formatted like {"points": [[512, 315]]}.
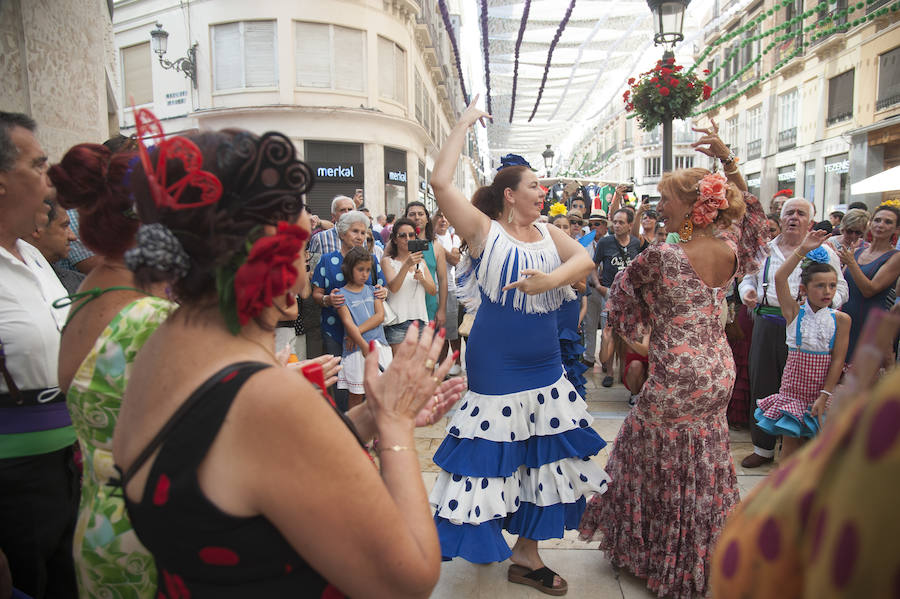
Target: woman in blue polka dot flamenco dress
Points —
{"points": [[518, 453]]}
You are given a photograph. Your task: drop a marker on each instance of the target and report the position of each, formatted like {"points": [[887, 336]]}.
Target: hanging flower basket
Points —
{"points": [[665, 91]]}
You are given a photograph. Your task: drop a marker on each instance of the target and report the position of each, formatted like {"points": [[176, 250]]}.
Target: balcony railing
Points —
{"points": [[875, 6], [836, 22], [754, 149], [883, 103], [787, 139], [843, 116]]}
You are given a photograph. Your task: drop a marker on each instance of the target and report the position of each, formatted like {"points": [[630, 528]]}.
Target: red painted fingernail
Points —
{"points": [[455, 355], [415, 323], [442, 333], [431, 324], [371, 346]]}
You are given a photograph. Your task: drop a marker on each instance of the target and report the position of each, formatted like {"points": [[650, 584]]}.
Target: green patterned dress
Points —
{"points": [[110, 561]]}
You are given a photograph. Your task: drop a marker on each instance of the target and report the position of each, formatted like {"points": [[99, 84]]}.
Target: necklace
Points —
{"points": [[266, 349]]}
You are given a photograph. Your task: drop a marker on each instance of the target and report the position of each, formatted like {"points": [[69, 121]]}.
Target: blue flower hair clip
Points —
{"points": [[512, 160], [819, 254]]}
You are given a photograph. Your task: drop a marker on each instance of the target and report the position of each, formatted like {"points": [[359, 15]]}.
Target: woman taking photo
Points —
{"points": [[219, 445], [517, 456], [409, 280], [435, 260], [872, 272]]}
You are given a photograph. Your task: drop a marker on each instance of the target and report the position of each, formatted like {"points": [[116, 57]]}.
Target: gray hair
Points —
{"points": [[334, 202], [8, 150], [812, 207], [350, 218]]}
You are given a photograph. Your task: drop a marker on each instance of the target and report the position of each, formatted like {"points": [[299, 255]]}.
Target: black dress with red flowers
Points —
{"points": [[200, 551]]}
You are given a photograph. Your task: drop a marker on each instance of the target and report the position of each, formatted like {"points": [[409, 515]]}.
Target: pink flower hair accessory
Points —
{"points": [[712, 190]]}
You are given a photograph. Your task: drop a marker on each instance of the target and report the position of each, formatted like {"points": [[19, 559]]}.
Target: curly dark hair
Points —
{"points": [[263, 183]]}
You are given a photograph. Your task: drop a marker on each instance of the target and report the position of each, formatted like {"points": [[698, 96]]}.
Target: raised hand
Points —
{"points": [[710, 144], [813, 240], [474, 115]]}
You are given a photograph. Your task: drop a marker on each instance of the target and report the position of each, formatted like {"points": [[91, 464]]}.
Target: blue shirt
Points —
{"points": [[329, 277], [362, 308]]}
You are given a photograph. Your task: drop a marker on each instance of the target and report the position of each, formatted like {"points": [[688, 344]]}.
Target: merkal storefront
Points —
{"points": [[338, 170]]}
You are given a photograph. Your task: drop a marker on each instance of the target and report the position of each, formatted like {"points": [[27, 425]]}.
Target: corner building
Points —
{"points": [[365, 88]]}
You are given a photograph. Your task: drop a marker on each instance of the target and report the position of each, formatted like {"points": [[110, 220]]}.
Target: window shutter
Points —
{"points": [[136, 68], [385, 68], [889, 76], [312, 55], [259, 54], [400, 75], [840, 95], [228, 64], [349, 59]]}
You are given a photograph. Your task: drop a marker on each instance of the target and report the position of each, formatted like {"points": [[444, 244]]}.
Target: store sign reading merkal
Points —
{"points": [[351, 171], [397, 176]]}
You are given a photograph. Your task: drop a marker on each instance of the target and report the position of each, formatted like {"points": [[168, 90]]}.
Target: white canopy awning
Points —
{"points": [[888, 180]]}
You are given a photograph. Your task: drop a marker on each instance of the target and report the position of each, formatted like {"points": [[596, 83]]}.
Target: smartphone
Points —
{"points": [[417, 245]]}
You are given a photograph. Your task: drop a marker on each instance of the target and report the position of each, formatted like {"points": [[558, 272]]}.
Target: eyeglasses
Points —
{"points": [[574, 222], [406, 235]]}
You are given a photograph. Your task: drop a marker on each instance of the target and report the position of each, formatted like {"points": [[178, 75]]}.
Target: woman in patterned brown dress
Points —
{"points": [[673, 480]]}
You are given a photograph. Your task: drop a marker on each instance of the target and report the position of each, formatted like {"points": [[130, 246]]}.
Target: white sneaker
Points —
{"points": [[632, 401], [455, 370]]}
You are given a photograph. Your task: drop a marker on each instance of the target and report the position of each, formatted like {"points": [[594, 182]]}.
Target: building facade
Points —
{"points": [[58, 65], [829, 117], [360, 86]]}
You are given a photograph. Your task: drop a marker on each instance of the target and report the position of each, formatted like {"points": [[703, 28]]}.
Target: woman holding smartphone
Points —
{"points": [[408, 281]]}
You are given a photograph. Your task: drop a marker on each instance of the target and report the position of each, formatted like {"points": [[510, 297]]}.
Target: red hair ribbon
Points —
{"points": [[174, 148]]}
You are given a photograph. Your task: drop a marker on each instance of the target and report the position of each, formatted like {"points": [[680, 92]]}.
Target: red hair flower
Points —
{"points": [[269, 270], [712, 189], [664, 91]]}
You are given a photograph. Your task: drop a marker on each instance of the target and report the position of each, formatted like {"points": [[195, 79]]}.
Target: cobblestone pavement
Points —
{"points": [[588, 573]]}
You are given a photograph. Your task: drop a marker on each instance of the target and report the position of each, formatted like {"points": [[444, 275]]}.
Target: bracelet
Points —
{"points": [[729, 159], [395, 448], [801, 256], [732, 172], [828, 393]]}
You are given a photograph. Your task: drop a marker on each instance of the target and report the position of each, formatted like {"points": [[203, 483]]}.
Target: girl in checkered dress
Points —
{"points": [[817, 336]]}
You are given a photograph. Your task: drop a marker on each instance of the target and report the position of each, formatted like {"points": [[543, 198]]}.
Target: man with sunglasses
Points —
{"points": [[596, 302]]}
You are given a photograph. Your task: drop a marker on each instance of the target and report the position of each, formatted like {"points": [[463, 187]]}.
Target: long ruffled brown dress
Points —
{"points": [[673, 480]]}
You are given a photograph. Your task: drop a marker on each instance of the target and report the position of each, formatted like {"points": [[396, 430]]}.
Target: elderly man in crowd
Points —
{"points": [[768, 350], [38, 481], [325, 242]]}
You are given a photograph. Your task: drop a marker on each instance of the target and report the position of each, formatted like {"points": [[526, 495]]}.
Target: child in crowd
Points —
{"points": [[817, 337], [636, 363], [362, 314]]}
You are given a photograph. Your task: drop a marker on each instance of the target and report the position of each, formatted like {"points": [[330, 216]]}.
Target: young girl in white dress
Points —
{"points": [[816, 337]]}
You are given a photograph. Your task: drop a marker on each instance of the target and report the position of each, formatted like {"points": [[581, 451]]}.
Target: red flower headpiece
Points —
{"points": [[784, 192], [712, 190], [269, 270], [174, 148]]}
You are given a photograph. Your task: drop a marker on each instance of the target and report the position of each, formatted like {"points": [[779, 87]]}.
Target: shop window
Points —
{"points": [[330, 56], [888, 79], [245, 55], [137, 74], [395, 181], [787, 177], [391, 70], [840, 98], [837, 181], [753, 182], [809, 180]]}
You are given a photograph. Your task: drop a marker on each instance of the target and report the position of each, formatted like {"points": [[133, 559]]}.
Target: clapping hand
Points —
{"points": [[447, 395], [812, 240], [331, 366]]}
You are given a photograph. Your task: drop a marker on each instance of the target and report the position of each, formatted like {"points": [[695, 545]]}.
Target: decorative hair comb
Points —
{"points": [[175, 148]]}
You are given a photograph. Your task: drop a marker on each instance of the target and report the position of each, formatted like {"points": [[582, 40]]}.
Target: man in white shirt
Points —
{"points": [[768, 350], [38, 481]]}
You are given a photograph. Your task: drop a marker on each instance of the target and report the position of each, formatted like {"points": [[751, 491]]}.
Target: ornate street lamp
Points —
{"points": [[668, 22], [548, 155], [159, 42]]}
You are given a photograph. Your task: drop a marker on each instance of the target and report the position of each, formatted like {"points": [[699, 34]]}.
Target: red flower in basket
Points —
{"points": [[664, 91], [269, 270]]}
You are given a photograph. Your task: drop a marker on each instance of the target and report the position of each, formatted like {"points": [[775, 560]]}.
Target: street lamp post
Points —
{"points": [[668, 22], [548, 155], [159, 41]]}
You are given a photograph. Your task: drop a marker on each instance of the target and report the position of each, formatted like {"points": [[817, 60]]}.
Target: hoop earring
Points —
{"points": [[687, 230]]}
